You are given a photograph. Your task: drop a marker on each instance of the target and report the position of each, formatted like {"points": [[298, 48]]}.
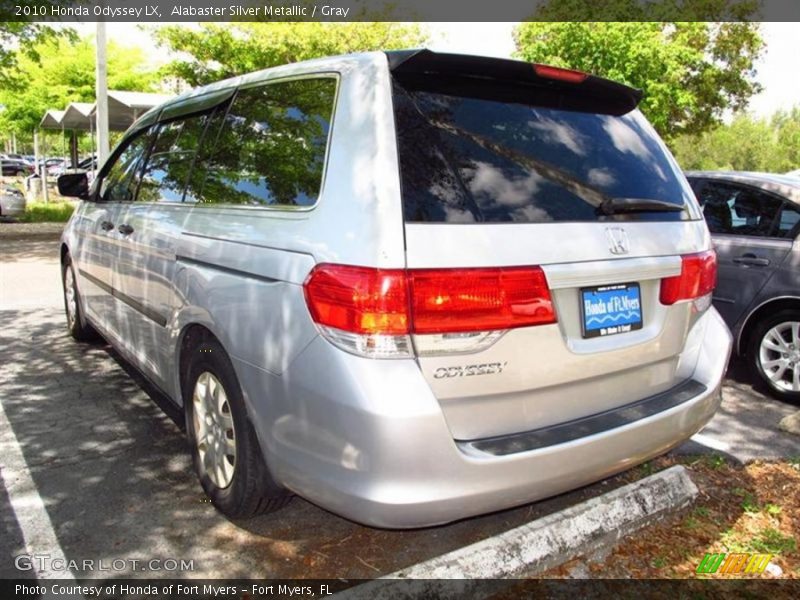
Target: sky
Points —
{"points": [[776, 70]]}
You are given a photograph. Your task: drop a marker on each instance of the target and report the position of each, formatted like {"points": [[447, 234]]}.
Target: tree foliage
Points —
{"points": [[690, 72], [22, 38], [746, 144], [213, 51], [64, 72]]}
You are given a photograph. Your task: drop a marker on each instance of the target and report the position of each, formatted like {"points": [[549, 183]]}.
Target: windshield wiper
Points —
{"points": [[615, 206]]}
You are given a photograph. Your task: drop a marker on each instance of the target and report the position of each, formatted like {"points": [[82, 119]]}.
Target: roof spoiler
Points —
{"points": [[586, 92]]}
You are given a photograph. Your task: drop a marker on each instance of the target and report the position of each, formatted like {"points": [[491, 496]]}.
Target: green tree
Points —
{"points": [[747, 143], [20, 37], [65, 72], [690, 72], [213, 52]]}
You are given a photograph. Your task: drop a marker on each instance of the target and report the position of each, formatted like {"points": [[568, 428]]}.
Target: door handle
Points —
{"points": [[125, 229], [106, 226], [751, 260]]}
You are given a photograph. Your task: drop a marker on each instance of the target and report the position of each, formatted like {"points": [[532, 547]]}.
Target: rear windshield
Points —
{"points": [[468, 159]]}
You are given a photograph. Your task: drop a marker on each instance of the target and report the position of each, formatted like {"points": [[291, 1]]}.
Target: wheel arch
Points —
{"points": [[767, 307], [191, 334]]}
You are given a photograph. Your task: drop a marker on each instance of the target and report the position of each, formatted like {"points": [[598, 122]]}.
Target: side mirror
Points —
{"points": [[75, 185]]}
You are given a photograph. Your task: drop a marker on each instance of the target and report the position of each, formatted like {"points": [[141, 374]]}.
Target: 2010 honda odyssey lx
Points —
{"points": [[410, 287]]}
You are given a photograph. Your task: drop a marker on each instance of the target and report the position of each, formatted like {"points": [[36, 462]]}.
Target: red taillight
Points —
{"points": [[358, 299], [698, 278], [559, 74], [454, 300], [396, 302]]}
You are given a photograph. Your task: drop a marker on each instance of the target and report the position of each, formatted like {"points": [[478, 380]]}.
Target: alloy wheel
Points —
{"points": [[779, 356]]}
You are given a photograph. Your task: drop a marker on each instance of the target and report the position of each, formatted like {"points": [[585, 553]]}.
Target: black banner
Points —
{"points": [[156, 11], [400, 589]]}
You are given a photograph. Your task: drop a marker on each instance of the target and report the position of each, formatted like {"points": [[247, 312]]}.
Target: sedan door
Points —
{"points": [[751, 230]]}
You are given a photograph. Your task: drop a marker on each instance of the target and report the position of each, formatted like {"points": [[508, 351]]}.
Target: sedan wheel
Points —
{"points": [[779, 356], [773, 349]]}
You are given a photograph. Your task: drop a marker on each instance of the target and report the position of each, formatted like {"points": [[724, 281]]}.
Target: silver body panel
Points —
{"points": [[12, 204], [379, 440]]}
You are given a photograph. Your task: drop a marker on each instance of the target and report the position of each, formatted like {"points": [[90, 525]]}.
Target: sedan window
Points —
{"points": [[740, 210]]}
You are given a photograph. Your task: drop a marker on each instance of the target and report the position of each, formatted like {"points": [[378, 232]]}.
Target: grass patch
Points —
{"points": [[773, 541], [711, 461], [52, 212], [751, 507]]}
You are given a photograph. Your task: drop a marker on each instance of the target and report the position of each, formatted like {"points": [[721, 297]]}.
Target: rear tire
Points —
{"points": [[225, 451], [774, 354], [76, 324]]}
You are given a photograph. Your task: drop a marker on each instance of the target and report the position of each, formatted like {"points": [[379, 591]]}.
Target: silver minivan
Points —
{"points": [[410, 287]]}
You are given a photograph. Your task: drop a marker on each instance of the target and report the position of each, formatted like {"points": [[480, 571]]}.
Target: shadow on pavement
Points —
{"points": [[109, 459]]}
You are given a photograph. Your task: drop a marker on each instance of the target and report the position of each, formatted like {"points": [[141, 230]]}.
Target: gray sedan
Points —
{"points": [[12, 201], [754, 219]]}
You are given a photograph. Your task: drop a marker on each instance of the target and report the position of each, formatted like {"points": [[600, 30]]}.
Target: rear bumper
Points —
{"points": [[367, 440], [12, 208]]}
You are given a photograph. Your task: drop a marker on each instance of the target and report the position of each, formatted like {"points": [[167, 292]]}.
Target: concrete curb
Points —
{"points": [[16, 231], [542, 544], [791, 423]]}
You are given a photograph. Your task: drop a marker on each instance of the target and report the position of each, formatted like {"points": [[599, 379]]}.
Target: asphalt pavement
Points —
{"points": [[94, 465]]}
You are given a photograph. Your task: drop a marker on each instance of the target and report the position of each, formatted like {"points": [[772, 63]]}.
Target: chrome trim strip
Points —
{"points": [[603, 272]]}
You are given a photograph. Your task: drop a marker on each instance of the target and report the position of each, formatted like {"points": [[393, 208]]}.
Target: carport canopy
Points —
{"points": [[123, 109], [76, 116], [51, 119]]}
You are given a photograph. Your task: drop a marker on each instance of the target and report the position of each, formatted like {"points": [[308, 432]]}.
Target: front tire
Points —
{"points": [[225, 450], [76, 324], [774, 354]]}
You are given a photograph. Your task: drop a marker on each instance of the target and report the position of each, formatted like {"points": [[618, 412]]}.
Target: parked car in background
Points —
{"points": [[85, 164], [54, 166], [12, 202], [409, 286], [14, 167], [754, 219]]}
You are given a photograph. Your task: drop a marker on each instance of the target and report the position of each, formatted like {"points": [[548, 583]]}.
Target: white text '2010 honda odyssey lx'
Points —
{"points": [[410, 287]]}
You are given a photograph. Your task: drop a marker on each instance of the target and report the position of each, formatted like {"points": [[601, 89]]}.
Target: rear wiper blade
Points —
{"points": [[615, 206]]}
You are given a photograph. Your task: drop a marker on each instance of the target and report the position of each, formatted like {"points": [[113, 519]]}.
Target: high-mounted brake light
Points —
{"points": [[373, 311], [560, 74], [698, 278]]}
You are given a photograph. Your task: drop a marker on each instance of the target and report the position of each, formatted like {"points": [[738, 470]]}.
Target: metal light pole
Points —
{"points": [[101, 82]]}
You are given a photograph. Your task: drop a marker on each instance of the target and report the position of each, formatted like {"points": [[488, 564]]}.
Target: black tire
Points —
{"points": [[252, 490], [76, 323], [781, 320]]}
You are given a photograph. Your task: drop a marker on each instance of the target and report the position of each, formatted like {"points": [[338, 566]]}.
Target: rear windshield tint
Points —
{"points": [[468, 159]]}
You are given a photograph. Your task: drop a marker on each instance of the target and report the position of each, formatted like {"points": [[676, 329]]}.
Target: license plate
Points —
{"points": [[611, 309]]}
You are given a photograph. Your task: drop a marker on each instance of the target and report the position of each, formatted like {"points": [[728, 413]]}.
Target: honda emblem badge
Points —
{"points": [[617, 240]]}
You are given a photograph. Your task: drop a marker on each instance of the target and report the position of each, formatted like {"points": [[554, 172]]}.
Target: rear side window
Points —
{"points": [[272, 146], [475, 159], [742, 210]]}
